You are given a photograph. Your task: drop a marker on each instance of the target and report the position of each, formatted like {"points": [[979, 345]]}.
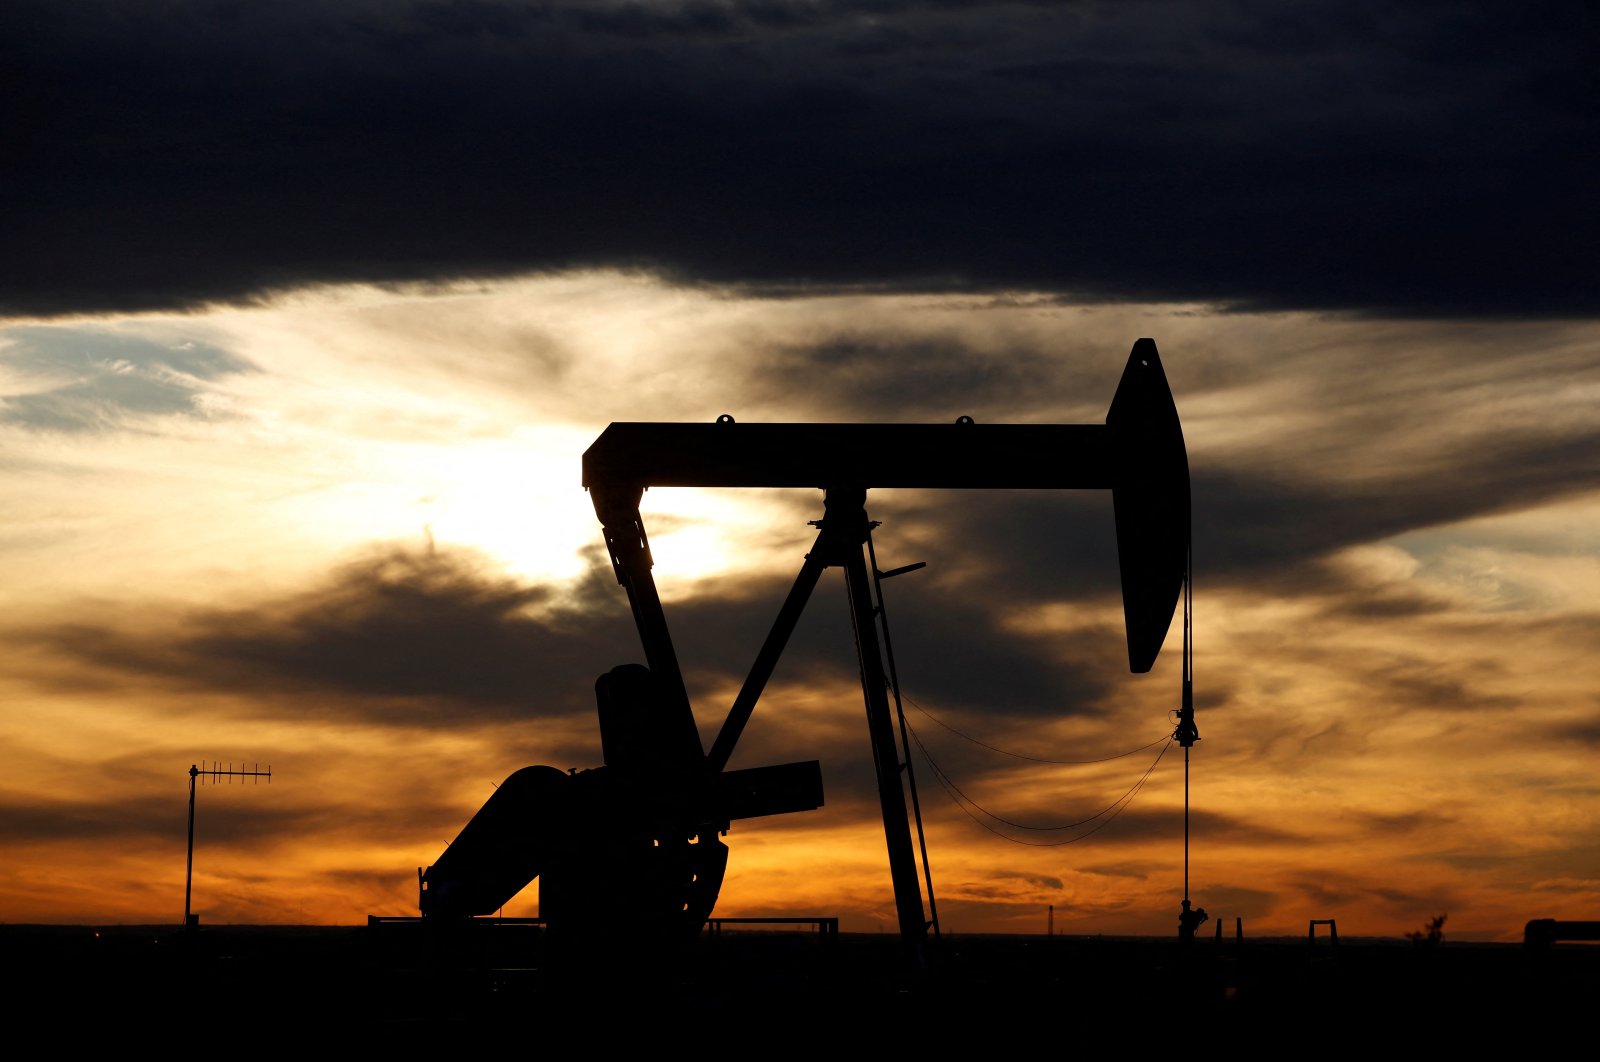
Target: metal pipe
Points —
{"points": [[847, 506]]}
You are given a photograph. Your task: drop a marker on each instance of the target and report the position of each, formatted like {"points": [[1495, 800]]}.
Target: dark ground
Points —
{"points": [[255, 990]]}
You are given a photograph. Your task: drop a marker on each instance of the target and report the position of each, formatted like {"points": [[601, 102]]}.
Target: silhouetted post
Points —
{"points": [[1186, 734], [882, 610], [190, 921], [188, 870], [847, 527]]}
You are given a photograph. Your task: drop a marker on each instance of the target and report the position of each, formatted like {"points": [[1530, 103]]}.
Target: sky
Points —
{"points": [[308, 312]]}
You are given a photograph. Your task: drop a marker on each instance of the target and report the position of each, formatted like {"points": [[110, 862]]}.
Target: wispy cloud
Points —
{"points": [[347, 534], [76, 380]]}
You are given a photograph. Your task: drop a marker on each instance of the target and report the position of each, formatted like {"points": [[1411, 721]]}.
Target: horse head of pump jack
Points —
{"points": [[637, 841]]}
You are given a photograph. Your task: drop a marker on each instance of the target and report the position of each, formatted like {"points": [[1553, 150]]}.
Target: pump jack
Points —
{"points": [[636, 842]]}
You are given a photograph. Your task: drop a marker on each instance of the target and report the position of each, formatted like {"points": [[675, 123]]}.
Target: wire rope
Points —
{"points": [[962, 801], [1191, 735]]}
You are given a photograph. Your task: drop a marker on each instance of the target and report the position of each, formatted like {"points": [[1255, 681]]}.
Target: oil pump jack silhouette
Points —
{"points": [[634, 847]]}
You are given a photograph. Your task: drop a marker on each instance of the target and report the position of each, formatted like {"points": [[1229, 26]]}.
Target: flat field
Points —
{"points": [[244, 989]]}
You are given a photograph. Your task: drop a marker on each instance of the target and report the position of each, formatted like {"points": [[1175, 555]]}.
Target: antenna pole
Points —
{"points": [[188, 870], [190, 921]]}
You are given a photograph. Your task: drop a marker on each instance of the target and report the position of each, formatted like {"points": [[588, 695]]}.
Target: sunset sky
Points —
{"points": [[309, 310]]}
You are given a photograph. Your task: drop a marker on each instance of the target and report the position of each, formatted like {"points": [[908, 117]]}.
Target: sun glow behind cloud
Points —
{"points": [[1392, 608]]}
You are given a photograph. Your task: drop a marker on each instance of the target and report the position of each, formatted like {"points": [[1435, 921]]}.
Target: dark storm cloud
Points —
{"points": [[956, 648], [1415, 823], [1389, 430], [1413, 158], [1000, 888], [1044, 825], [863, 376], [1132, 824], [94, 380], [1251, 528], [1214, 827], [1583, 733], [30, 819], [1245, 526], [1337, 891], [402, 633], [431, 639], [1434, 684], [988, 748], [1228, 901], [1551, 875]]}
